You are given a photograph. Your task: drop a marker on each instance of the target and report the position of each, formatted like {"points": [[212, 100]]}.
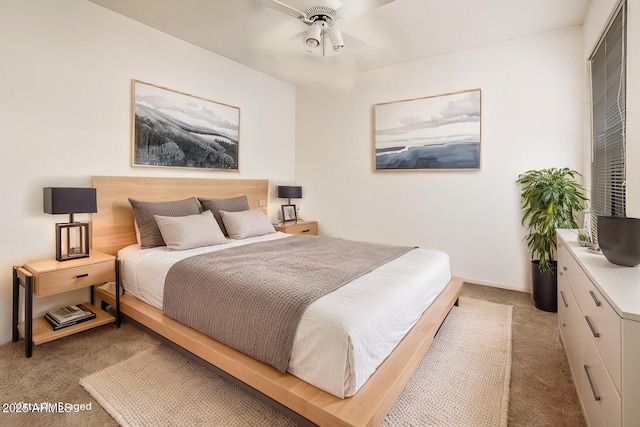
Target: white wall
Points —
{"points": [[65, 106], [599, 14], [532, 103]]}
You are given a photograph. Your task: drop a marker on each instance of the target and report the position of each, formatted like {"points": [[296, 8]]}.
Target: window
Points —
{"points": [[608, 101]]}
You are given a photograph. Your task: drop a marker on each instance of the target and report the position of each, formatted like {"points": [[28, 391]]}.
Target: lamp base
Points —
{"points": [[72, 241]]}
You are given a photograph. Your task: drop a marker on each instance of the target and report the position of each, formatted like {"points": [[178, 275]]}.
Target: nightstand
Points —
{"points": [[300, 227], [50, 277]]}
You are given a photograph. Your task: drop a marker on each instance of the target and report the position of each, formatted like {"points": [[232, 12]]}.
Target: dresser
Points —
{"points": [[599, 323]]}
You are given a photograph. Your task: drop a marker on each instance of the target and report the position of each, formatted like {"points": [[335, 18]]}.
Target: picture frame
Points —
{"points": [[440, 132], [289, 213], [175, 129]]}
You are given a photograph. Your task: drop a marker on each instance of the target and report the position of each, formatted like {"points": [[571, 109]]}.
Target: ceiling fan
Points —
{"points": [[321, 16]]}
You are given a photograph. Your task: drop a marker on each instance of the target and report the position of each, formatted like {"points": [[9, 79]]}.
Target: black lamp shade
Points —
{"points": [[289, 192], [66, 200]]}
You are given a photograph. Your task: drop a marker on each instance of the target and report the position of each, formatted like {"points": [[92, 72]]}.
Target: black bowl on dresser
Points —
{"points": [[619, 239]]}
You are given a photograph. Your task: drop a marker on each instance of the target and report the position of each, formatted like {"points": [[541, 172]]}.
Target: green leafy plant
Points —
{"points": [[549, 200], [584, 239]]}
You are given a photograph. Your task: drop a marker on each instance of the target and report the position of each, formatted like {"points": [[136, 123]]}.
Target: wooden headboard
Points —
{"points": [[112, 226]]}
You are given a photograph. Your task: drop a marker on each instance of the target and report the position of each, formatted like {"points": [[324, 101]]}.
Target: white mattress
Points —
{"points": [[342, 337]]}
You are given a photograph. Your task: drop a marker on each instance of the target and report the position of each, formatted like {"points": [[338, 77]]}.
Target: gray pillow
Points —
{"points": [[191, 231], [234, 204], [244, 224], [143, 212]]}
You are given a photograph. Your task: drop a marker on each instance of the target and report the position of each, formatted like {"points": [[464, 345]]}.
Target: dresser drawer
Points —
{"points": [[601, 400], [604, 327], [570, 268], [66, 279], [601, 320], [570, 326]]}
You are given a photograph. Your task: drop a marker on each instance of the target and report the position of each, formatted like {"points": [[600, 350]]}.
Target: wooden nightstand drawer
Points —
{"points": [[53, 282], [310, 227], [52, 277]]}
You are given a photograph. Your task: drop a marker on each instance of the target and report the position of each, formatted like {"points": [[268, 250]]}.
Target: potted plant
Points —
{"points": [[549, 200], [584, 239]]}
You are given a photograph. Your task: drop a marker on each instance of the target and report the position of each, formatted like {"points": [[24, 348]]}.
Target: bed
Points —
{"points": [[363, 401]]}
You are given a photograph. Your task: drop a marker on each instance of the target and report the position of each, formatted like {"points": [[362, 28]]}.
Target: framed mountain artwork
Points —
{"points": [[175, 129]]}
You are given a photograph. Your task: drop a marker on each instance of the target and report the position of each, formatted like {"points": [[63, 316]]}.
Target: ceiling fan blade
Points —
{"points": [[352, 8], [338, 22], [359, 45], [379, 3], [283, 8]]}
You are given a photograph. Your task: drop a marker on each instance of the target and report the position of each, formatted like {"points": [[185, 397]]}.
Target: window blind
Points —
{"points": [[608, 101]]}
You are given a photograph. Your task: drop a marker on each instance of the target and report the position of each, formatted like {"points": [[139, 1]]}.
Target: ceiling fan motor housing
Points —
{"points": [[320, 13], [320, 18]]}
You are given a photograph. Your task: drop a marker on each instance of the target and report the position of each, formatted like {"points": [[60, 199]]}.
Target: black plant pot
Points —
{"points": [[545, 287]]}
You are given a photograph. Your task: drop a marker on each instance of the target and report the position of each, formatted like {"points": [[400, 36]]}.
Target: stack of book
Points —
{"points": [[68, 316]]}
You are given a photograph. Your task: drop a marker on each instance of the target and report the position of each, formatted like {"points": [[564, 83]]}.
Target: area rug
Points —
{"points": [[462, 381]]}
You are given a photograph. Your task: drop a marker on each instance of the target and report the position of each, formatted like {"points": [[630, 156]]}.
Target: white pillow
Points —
{"points": [[243, 224], [191, 231]]}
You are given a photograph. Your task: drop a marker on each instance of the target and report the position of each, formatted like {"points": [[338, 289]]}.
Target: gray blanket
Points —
{"points": [[252, 297]]}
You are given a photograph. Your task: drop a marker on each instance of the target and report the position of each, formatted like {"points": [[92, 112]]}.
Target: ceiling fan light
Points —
{"points": [[312, 38], [335, 36]]}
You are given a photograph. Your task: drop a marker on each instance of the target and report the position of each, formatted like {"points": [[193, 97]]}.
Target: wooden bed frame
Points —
{"points": [[113, 229]]}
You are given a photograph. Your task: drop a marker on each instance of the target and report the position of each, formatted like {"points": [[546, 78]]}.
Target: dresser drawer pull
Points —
{"points": [[593, 328], [595, 298], [306, 231], [564, 299], [596, 396], [80, 276]]}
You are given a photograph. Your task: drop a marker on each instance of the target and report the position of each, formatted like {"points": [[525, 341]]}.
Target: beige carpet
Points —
{"points": [[462, 381]]}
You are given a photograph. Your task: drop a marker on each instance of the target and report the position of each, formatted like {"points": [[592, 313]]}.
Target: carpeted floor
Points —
{"points": [[542, 393]]}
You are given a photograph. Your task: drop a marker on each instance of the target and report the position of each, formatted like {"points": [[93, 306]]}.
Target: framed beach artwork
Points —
{"points": [[431, 133], [174, 129]]}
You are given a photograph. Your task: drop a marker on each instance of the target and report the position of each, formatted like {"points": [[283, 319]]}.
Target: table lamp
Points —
{"points": [[289, 192], [72, 238]]}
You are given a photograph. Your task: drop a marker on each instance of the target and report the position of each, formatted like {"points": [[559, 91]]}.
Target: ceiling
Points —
{"points": [[259, 37]]}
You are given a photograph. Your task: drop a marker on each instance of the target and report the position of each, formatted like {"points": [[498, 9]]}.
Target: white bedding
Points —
{"points": [[342, 337]]}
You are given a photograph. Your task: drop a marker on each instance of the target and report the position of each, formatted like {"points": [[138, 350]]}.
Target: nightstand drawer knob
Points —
{"points": [[306, 231], [79, 276]]}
